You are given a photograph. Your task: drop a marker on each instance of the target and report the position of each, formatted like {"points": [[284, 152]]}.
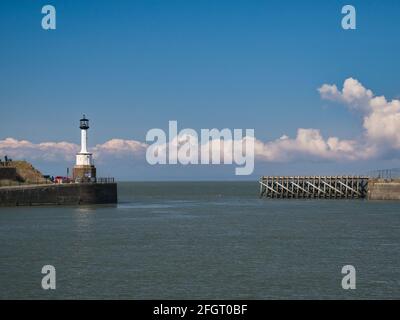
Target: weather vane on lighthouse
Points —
{"points": [[84, 170]]}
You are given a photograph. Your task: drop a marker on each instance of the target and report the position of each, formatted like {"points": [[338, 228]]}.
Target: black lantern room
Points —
{"points": [[84, 123]]}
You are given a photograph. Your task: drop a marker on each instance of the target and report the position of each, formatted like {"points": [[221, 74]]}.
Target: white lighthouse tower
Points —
{"points": [[84, 158], [84, 170]]}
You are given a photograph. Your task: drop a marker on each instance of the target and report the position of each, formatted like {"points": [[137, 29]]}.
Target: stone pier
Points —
{"points": [[59, 194]]}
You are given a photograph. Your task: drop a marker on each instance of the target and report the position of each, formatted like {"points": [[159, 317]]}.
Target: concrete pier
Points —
{"points": [[384, 189], [58, 194]]}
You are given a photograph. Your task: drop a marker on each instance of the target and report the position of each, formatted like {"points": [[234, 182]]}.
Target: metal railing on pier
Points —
{"points": [[105, 180], [393, 173], [94, 180]]}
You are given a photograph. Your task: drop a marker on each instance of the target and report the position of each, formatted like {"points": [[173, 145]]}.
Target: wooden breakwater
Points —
{"points": [[319, 187]]}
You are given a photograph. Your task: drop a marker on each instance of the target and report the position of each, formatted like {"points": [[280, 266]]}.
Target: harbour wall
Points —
{"points": [[59, 194], [382, 189]]}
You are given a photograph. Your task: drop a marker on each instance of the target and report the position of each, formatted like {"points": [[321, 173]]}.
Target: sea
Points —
{"points": [[202, 240]]}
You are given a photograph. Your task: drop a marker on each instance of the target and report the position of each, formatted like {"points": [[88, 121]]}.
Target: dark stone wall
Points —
{"points": [[59, 194], [8, 173], [380, 189], [80, 172]]}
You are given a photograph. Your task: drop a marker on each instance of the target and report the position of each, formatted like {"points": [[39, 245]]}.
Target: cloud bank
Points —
{"points": [[66, 151], [47, 151], [380, 136]]}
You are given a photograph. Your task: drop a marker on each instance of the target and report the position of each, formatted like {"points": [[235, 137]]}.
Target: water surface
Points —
{"points": [[201, 240]]}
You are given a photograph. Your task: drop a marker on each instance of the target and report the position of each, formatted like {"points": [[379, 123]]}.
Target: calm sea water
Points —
{"points": [[188, 240]]}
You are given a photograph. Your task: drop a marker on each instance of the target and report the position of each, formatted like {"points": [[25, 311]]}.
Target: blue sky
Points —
{"points": [[135, 65]]}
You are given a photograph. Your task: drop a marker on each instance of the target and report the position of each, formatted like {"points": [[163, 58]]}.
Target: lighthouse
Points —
{"points": [[84, 169]]}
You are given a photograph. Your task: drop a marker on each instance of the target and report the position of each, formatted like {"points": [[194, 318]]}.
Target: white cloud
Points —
{"points": [[381, 118], [353, 93], [48, 151], [118, 148], [309, 145]]}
